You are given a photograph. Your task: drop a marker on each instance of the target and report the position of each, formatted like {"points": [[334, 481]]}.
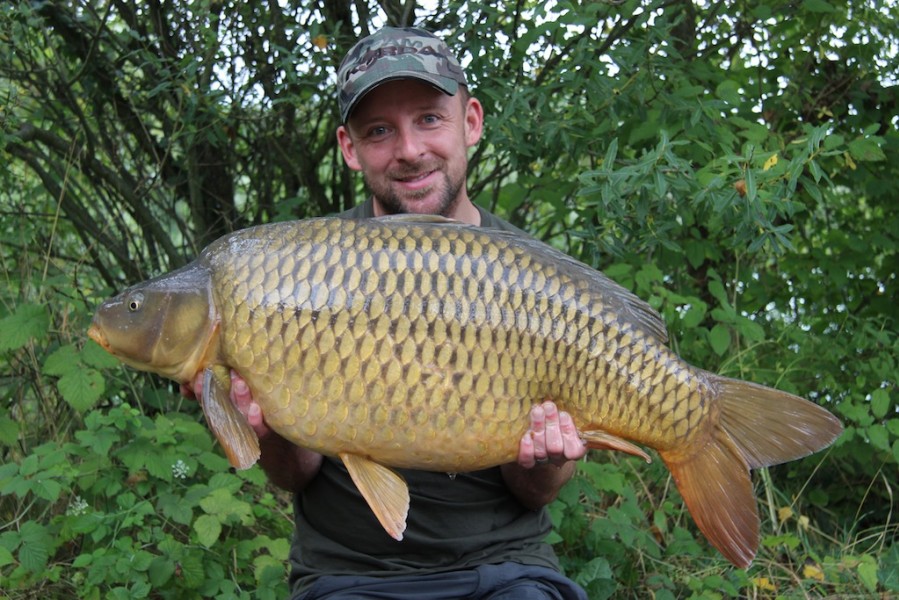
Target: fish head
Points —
{"points": [[165, 325]]}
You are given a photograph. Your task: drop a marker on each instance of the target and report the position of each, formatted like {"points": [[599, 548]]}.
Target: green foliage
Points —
{"points": [[732, 163], [137, 504], [622, 531]]}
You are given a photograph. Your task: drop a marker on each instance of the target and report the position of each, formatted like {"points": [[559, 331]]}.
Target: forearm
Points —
{"points": [[287, 466], [537, 486]]}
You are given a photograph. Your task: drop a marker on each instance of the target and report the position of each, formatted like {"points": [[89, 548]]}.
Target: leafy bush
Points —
{"points": [[130, 501]]}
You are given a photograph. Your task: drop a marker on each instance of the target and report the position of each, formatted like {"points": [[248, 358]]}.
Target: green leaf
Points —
{"points": [[46, 488], [279, 548], [719, 338], [83, 560], [6, 557], [879, 437], [756, 133], [880, 403], [866, 149], [93, 355], [34, 551], [192, 571], [9, 431], [82, 388], [28, 321], [208, 529], [225, 506], [750, 330], [160, 571], [176, 508], [267, 568], [729, 91], [646, 276], [889, 569], [597, 568], [62, 362], [867, 573], [695, 314], [716, 288], [218, 502], [817, 6]]}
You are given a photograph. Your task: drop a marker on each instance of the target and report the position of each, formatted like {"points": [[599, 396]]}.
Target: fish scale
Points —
{"points": [[422, 343]]}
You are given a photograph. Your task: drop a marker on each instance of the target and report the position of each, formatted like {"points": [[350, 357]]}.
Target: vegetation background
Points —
{"points": [[734, 163]]}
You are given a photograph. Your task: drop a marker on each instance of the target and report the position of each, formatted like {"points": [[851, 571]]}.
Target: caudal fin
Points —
{"points": [[753, 427]]}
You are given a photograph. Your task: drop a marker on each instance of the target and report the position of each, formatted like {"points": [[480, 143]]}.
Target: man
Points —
{"points": [[408, 121]]}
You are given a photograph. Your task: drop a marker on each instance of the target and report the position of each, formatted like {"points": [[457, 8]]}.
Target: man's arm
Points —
{"points": [[546, 457], [287, 465]]}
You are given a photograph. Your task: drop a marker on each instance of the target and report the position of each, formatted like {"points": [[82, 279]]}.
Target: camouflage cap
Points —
{"points": [[396, 53]]}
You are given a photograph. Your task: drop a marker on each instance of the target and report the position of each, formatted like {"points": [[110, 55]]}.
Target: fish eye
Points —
{"points": [[135, 302]]}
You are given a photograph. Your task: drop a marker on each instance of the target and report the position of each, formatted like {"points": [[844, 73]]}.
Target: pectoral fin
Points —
{"points": [[600, 440], [231, 429], [383, 489]]}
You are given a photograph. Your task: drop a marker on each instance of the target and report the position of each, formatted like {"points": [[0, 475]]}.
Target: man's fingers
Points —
{"points": [[240, 393], [526, 451], [574, 446], [538, 433], [553, 442], [194, 389], [553, 437], [243, 400]]}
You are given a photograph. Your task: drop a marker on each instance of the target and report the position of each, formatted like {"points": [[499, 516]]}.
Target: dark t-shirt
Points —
{"points": [[454, 522]]}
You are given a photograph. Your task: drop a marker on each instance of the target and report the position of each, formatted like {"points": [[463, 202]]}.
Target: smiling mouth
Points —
{"points": [[414, 178]]}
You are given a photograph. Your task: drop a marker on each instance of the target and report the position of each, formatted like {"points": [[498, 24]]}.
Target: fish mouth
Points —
{"points": [[95, 334]]}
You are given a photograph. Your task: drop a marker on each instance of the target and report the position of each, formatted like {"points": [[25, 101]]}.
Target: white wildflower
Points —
{"points": [[180, 470], [77, 507]]}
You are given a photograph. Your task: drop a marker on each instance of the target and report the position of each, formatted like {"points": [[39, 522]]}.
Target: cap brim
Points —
{"points": [[447, 85]]}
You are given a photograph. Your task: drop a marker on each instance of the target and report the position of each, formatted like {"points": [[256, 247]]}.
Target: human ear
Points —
{"points": [[348, 148], [474, 121]]}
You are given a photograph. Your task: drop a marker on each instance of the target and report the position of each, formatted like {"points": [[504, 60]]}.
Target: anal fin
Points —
{"points": [[239, 441], [384, 490], [600, 440]]}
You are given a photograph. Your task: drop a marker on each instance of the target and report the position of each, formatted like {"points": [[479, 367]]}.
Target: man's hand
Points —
{"points": [[240, 396], [552, 438], [546, 455]]}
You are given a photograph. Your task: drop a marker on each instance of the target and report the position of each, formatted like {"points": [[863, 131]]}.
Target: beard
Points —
{"points": [[447, 191]]}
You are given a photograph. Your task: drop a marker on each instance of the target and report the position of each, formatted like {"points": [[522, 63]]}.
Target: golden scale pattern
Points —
{"points": [[427, 336]]}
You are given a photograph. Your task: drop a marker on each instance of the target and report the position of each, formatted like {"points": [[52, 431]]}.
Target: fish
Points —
{"points": [[421, 342]]}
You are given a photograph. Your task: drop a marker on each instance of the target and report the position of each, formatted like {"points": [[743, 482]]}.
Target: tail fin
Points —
{"points": [[754, 426]]}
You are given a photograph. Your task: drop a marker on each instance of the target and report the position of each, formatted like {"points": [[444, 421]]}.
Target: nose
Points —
{"points": [[409, 145]]}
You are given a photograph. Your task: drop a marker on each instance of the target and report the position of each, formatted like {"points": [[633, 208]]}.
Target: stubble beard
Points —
{"points": [[393, 204]]}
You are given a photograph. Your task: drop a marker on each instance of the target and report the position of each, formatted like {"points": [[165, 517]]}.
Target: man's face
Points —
{"points": [[410, 141]]}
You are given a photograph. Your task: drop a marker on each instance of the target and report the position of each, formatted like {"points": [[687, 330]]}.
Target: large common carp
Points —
{"points": [[422, 343]]}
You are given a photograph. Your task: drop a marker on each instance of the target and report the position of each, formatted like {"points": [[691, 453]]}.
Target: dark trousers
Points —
{"points": [[507, 581]]}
